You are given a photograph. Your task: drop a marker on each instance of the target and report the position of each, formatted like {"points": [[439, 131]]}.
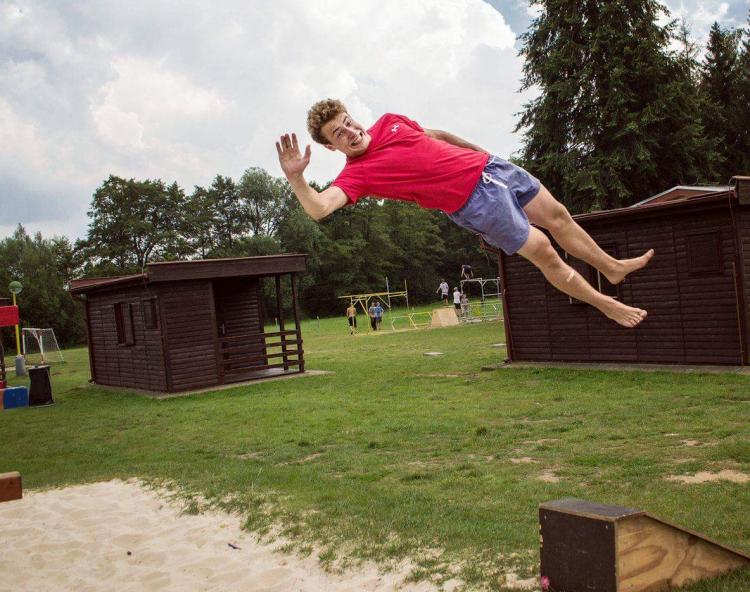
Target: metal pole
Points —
{"points": [[18, 333], [20, 362]]}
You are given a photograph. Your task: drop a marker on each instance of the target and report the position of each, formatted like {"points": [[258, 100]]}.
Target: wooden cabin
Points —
{"points": [[184, 325], [696, 289]]}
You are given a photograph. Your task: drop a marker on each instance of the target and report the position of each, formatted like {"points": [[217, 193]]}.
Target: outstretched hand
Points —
{"points": [[292, 161]]}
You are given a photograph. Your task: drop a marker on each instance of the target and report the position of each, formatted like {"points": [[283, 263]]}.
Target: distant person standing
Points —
{"points": [[464, 305], [457, 299], [371, 314], [443, 290], [351, 315], [378, 315]]}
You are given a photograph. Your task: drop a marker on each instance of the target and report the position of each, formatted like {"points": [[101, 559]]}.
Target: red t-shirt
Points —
{"points": [[402, 162]]}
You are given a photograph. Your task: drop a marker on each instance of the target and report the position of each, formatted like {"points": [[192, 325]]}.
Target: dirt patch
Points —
{"points": [[522, 461], [692, 443], [548, 476], [249, 456], [707, 476], [513, 581], [307, 459], [541, 441]]}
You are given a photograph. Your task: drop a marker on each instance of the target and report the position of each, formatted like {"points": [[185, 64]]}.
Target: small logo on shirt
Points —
{"points": [[394, 129]]}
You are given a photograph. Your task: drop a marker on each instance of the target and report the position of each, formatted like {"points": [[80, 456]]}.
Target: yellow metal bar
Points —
{"points": [[18, 333]]}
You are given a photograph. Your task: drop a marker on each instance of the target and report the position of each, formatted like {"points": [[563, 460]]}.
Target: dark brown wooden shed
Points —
{"points": [[184, 325], [696, 289]]}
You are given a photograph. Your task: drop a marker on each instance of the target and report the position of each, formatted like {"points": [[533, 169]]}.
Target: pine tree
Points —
{"points": [[719, 84], [742, 108], [609, 127]]}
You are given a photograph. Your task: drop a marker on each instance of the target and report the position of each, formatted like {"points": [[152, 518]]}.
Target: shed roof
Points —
{"points": [[167, 271], [712, 199], [681, 192]]}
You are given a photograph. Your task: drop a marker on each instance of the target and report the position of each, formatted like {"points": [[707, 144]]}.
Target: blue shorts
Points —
{"points": [[495, 207]]}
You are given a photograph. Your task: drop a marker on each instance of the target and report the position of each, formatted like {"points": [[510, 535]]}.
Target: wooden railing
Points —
{"points": [[248, 355]]}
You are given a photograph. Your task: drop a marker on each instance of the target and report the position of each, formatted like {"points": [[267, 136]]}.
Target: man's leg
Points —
{"points": [[539, 251], [545, 211]]}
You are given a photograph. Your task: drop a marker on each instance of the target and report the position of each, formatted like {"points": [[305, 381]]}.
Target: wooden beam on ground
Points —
{"points": [[10, 486], [604, 548]]}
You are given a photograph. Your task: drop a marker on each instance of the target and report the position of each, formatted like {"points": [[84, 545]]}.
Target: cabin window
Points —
{"points": [[150, 314], [124, 323], [704, 254]]}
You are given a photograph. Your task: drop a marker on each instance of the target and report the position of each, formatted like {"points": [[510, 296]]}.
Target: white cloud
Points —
{"points": [[186, 90], [700, 15]]}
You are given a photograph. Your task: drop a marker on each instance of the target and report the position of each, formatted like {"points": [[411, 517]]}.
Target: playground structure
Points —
{"points": [[363, 300], [40, 346], [489, 288], [604, 548], [8, 318]]}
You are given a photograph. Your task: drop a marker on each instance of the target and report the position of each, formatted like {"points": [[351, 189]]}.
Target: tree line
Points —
{"points": [[626, 109], [134, 222]]}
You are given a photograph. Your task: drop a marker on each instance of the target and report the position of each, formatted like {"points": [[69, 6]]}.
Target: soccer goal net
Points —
{"points": [[40, 346]]}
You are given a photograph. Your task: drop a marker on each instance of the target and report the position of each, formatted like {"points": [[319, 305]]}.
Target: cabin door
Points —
{"points": [[239, 327]]}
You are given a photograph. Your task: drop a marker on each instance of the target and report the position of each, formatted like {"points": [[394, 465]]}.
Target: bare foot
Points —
{"points": [[626, 266], [625, 315]]}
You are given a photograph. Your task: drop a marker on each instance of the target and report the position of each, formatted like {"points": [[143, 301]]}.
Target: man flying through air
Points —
{"points": [[398, 159]]}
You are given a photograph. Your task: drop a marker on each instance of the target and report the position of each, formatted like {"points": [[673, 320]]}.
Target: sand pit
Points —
{"points": [[120, 536]]}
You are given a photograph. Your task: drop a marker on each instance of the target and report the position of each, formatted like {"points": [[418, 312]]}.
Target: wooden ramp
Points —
{"points": [[444, 317], [600, 548]]}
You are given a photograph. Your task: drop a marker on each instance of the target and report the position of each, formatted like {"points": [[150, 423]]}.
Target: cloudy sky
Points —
{"points": [[184, 90]]}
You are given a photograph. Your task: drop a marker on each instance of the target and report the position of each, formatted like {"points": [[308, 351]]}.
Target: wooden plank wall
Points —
{"points": [[692, 316], [744, 237], [140, 365], [189, 334], [238, 305]]}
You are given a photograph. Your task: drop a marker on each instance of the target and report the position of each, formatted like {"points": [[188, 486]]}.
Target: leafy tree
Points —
{"points": [[263, 199], [602, 132], [417, 249], [132, 223], [229, 221], [197, 225], [44, 267]]}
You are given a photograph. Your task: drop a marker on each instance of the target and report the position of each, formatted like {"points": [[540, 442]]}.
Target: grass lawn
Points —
{"points": [[397, 454]]}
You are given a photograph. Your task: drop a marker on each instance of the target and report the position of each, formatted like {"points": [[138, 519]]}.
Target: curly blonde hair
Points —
{"points": [[321, 113]]}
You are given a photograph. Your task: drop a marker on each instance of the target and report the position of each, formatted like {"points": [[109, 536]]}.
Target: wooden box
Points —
{"points": [[10, 486], [594, 547]]}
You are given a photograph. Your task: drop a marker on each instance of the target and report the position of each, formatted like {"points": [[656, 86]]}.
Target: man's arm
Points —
{"points": [[318, 205], [452, 139]]}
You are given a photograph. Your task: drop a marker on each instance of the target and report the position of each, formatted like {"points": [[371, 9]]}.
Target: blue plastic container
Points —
{"points": [[15, 396]]}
